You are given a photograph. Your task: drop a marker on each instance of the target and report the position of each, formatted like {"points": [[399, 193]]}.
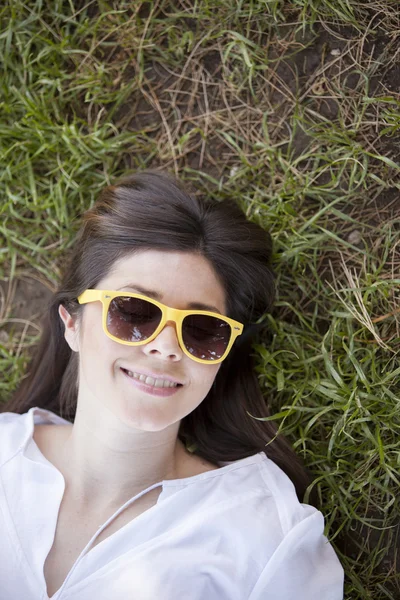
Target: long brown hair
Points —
{"points": [[150, 210]]}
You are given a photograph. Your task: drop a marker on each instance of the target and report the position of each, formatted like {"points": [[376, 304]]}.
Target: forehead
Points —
{"points": [[178, 278]]}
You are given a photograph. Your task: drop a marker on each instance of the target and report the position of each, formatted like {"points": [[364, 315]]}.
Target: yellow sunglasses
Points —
{"points": [[134, 319]]}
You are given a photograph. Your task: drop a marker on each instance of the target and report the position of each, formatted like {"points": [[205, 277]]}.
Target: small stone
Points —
{"points": [[336, 52], [4, 337], [354, 237]]}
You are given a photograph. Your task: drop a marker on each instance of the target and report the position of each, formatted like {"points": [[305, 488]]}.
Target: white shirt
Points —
{"points": [[234, 533]]}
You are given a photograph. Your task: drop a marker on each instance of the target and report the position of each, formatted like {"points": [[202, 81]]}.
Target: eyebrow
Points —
{"points": [[157, 296]]}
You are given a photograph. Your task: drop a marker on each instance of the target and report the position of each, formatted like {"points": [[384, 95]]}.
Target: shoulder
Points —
{"points": [[269, 491], [250, 509], [14, 429], [299, 547], [249, 500], [281, 488], [289, 537]]}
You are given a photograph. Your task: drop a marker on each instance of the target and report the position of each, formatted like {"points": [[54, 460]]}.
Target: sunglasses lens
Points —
{"points": [[205, 337], [132, 319]]}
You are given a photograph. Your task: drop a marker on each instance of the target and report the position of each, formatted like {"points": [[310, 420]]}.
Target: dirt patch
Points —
{"points": [[23, 303]]}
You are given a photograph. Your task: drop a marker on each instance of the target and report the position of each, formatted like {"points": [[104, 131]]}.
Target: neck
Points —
{"points": [[105, 462]]}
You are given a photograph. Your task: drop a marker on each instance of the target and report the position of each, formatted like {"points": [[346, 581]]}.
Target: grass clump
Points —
{"points": [[291, 108]]}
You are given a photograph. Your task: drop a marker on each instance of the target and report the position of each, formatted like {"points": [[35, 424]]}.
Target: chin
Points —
{"points": [[149, 419]]}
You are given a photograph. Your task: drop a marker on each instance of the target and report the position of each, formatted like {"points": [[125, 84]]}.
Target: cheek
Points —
{"points": [[207, 375], [205, 379], [98, 352]]}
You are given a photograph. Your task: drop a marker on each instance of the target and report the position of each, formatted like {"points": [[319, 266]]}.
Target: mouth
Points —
{"points": [[154, 382]]}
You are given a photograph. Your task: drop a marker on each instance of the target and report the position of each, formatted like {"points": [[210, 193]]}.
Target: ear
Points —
{"points": [[71, 332]]}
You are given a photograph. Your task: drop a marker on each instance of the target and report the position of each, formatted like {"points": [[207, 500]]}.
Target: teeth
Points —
{"points": [[151, 381]]}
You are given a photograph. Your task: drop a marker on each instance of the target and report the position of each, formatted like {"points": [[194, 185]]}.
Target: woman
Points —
{"points": [[133, 461]]}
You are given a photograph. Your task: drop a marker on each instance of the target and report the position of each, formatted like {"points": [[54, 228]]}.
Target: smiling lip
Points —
{"points": [[162, 392], [153, 375]]}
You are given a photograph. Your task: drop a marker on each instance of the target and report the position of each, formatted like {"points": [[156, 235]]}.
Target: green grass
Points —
{"points": [[292, 109]]}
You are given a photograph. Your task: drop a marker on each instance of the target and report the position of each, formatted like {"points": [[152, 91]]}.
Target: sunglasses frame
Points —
{"points": [[167, 314]]}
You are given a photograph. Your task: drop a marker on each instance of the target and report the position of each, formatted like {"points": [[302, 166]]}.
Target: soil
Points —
{"points": [[25, 299]]}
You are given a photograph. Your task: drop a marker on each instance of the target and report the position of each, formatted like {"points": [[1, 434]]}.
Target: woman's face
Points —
{"points": [[177, 279]]}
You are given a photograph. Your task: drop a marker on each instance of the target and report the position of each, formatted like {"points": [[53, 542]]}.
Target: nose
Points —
{"points": [[165, 345]]}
